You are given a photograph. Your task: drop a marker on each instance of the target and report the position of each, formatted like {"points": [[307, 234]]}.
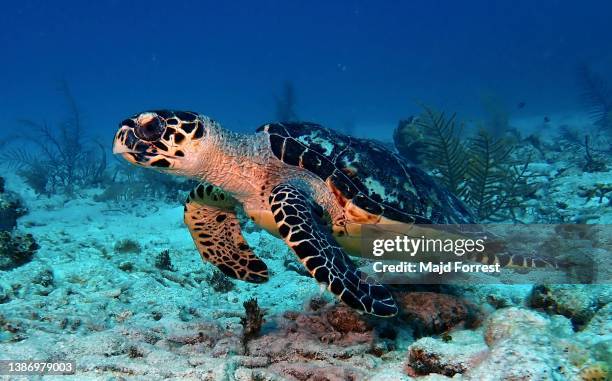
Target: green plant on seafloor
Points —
{"points": [[478, 170]]}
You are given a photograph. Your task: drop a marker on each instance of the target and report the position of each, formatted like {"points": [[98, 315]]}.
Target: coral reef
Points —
{"points": [[16, 249], [120, 316]]}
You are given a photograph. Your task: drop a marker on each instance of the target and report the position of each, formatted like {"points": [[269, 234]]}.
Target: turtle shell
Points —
{"points": [[367, 174]]}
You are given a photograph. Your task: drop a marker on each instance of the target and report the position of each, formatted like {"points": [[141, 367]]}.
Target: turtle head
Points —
{"points": [[168, 141]]}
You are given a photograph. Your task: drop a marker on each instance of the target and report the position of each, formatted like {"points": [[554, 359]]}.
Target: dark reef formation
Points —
{"points": [[409, 139], [11, 208], [16, 249], [431, 313]]}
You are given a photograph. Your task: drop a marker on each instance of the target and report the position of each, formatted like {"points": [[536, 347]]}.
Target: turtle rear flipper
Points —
{"points": [[212, 222], [323, 257]]}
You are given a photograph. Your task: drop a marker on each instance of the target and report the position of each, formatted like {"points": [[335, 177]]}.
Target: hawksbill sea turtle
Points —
{"points": [[311, 186]]}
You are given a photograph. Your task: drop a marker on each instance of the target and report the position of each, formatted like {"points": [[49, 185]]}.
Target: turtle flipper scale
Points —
{"points": [[323, 257], [214, 227]]}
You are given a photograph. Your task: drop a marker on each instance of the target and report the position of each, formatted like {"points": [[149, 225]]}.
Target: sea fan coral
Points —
{"points": [[478, 170], [493, 184], [597, 96], [62, 159], [446, 153]]}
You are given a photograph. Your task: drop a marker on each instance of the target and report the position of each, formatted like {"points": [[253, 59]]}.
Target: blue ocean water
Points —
{"points": [[98, 268], [358, 62]]}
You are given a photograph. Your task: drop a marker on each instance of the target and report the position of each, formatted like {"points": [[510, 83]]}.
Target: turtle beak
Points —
{"points": [[119, 148], [125, 141]]}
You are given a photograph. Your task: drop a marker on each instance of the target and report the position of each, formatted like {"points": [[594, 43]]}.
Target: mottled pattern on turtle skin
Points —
{"points": [[323, 257], [210, 215], [165, 130], [365, 172]]}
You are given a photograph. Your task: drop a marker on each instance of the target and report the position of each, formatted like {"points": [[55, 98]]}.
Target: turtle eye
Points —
{"points": [[150, 130]]}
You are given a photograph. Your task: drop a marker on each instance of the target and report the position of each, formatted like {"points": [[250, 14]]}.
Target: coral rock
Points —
{"points": [[597, 335], [346, 320], [429, 355], [16, 249], [525, 345], [432, 313], [316, 371], [576, 302], [595, 372], [11, 208]]}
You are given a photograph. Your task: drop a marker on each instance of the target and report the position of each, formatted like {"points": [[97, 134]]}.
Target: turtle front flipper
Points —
{"points": [[323, 257], [214, 227]]}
